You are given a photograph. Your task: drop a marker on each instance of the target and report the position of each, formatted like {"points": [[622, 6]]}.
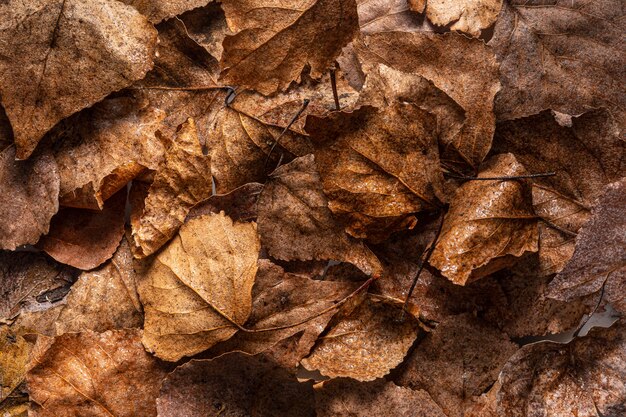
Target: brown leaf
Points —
{"points": [[585, 158], [92, 374], [488, 224], [103, 299], [377, 166], [387, 15], [104, 147], [463, 68], [240, 204], [207, 27], [198, 285], [456, 362], [86, 238], [157, 10], [600, 255], [183, 180], [64, 55], [296, 224], [273, 43], [344, 397], [29, 192], [559, 55], [584, 377], [14, 351], [366, 344], [234, 385], [469, 16]]}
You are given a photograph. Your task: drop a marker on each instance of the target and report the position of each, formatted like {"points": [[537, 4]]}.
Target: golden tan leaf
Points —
{"points": [[468, 16], [198, 285], [14, 351]]}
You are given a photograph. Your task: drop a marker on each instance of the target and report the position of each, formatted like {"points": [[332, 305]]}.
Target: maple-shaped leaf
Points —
{"points": [[365, 344], [561, 55], [183, 179], [296, 224], [584, 377], [158, 10], [600, 256], [446, 60], [343, 397], [240, 204], [198, 286], [584, 157], [456, 362], [469, 16], [236, 385], [273, 42], [64, 55], [103, 299], [94, 374], [489, 223], [86, 238], [104, 147]]}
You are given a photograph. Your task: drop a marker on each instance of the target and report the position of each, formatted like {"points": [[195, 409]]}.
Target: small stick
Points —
{"points": [[516, 177], [305, 104], [333, 84]]}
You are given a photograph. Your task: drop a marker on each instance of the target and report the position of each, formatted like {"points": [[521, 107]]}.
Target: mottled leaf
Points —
{"points": [[469, 16], [240, 204]]}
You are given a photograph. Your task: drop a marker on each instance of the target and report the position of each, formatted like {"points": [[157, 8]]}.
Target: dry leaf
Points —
{"points": [[198, 286], [274, 42], [207, 27], [64, 55], [86, 238], [95, 374], [103, 299], [29, 192], [377, 166], [387, 15], [456, 362], [560, 55], [183, 180], [240, 204], [234, 385], [600, 256], [14, 351], [344, 397], [158, 10], [584, 377], [469, 16], [366, 344], [488, 223], [296, 224]]}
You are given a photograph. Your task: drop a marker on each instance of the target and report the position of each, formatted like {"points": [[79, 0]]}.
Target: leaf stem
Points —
{"points": [[305, 104], [512, 178], [333, 84]]}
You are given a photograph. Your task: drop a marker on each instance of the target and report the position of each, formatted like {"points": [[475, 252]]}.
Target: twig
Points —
{"points": [[333, 84]]}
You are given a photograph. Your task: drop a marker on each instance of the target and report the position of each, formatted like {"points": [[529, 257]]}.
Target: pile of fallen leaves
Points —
{"points": [[311, 207]]}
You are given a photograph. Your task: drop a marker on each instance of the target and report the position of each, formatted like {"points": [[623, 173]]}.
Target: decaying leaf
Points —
{"points": [[236, 385], [386, 15], [207, 27], [344, 397], [157, 10], [64, 55], [14, 351], [296, 224], [198, 286], [273, 42], [103, 299], [584, 377], [85, 238], [600, 256], [366, 344], [469, 16], [95, 374], [488, 224], [456, 362], [183, 180], [29, 192], [240, 204]]}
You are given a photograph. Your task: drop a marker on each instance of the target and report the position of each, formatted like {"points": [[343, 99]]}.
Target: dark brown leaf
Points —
{"points": [[240, 204]]}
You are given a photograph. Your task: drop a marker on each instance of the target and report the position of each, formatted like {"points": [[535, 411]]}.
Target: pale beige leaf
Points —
{"points": [[468, 16], [158, 10]]}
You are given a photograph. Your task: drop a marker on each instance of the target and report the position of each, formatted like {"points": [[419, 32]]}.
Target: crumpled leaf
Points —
{"points": [[29, 192], [559, 55], [274, 42], [158, 10], [386, 15], [64, 55], [95, 374], [456, 362], [103, 299], [280, 299], [377, 166], [584, 158], [240, 204], [104, 147], [207, 27], [584, 377], [14, 351], [183, 180], [463, 68], [469, 16], [600, 255], [202, 277], [366, 344], [488, 224], [344, 397], [296, 224], [86, 238], [234, 385]]}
